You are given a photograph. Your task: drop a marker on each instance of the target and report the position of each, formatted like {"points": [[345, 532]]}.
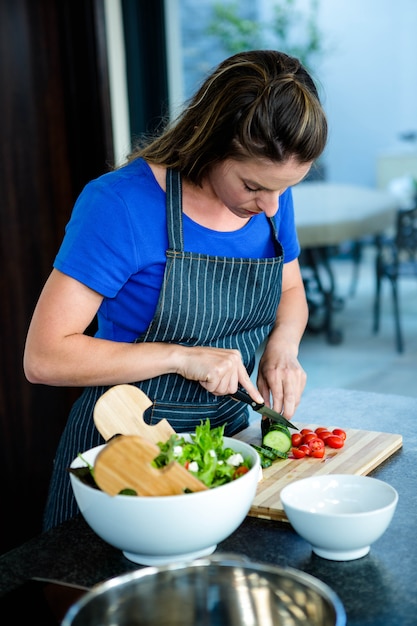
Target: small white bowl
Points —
{"points": [[340, 515], [156, 530]]}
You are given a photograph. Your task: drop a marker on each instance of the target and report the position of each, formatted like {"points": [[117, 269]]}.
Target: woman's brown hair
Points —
{"points": [[256, 104]]}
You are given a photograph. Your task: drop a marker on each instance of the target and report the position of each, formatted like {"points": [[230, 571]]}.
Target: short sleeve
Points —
{"points": [[287, 233], [98, 248]]}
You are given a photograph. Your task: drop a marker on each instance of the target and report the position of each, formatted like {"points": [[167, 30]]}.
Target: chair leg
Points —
{"points": [[377, 299], [398, 331], [356, 258], [377, 307]]}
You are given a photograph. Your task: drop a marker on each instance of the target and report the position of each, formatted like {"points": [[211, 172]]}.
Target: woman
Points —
{"points": [[188, 256]]}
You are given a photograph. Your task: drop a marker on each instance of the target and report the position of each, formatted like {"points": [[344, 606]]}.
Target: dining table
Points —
{"points": [[379, 589], [328, 215]]}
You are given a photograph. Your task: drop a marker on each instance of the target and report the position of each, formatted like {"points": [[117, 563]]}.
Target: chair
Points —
{"points": [[396, 259], [320, 290]]}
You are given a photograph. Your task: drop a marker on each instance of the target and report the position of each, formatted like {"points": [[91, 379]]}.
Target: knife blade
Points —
{"points": [[242, 396]]}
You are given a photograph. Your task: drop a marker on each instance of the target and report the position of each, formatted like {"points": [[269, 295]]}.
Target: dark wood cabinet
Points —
{"points": [[55, 131]]}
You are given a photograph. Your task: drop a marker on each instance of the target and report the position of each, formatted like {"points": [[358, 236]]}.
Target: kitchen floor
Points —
{"points": [[365, 361]]}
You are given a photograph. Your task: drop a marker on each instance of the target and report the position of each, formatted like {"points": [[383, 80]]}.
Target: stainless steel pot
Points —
{"points": [[221, 590]]}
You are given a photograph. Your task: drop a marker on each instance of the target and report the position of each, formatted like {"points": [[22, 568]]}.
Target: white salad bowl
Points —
{"points": [[340, 515], [155, 530]]}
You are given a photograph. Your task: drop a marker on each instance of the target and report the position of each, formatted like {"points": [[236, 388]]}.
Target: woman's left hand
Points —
{"points": [[281, 379]]}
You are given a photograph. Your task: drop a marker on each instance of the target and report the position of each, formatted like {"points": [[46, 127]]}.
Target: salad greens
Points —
{"points": [[204, 456]]}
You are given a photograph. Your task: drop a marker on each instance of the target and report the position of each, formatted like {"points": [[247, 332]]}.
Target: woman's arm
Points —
{"points": [[281, 379], [57, 351]]}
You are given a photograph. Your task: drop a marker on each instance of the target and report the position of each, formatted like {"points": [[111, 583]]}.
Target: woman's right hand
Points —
{"points": [[58, 352], [219, 370]]}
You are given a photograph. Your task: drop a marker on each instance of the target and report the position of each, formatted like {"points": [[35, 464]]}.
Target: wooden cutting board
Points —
{"points": [[362, 452]]}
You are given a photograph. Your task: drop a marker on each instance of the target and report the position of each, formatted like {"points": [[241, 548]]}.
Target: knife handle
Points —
{"points": [[242, 396], [276, 417]]}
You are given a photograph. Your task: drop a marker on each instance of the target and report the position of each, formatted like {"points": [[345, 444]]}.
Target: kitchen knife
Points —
{"points": [[262, 409]]}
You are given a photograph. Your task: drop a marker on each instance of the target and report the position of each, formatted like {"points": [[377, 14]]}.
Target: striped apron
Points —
{"points": [[205, 300]]}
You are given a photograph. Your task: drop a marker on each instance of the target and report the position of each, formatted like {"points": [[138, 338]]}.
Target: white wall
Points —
{"points": [[370, 82], [368, 77]]}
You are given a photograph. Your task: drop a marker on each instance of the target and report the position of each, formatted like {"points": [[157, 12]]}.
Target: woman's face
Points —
{"points": [[254, 186]]}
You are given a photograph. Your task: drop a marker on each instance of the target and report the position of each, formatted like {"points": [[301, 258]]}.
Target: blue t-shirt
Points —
{"points": [[116, 239]]}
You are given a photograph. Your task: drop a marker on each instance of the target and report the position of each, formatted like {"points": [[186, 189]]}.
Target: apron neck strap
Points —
{"points": [[174, 213], [174, 210], [273, 226]]}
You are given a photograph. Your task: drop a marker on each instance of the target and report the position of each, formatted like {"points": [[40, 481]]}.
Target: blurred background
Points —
{"points": [[81, 79], [362, 55]]}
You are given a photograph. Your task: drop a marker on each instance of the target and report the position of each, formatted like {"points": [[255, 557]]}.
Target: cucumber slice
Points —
{"points": [[265, 462], [267, 456], [281, 427], [269, 453], [277, 439], [278, 454]]}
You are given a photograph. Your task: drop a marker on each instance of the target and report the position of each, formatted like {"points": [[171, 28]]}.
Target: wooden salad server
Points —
{"points": [[125, 463], [119, 411]]}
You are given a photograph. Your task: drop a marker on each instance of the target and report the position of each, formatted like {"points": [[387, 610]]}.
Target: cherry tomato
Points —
{"points": [[318, 454], [239, 471], [335, 441], [313, 443], [340, 433], [316, 444], [309, 437], [324, 434], [296, 439], [305, 448], [298, 453]]}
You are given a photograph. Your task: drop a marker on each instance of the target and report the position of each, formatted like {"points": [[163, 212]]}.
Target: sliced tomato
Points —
{"points": [[305, 448], [324, 434], [318, 454], [316, 444], [296, 439], [335, 441], [313, 443], [298, 453], [309, 437], [340, 433], [240, 471]]}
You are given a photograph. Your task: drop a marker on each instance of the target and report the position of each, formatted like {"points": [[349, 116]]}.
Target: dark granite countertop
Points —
{"points": [[378, 590]]}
